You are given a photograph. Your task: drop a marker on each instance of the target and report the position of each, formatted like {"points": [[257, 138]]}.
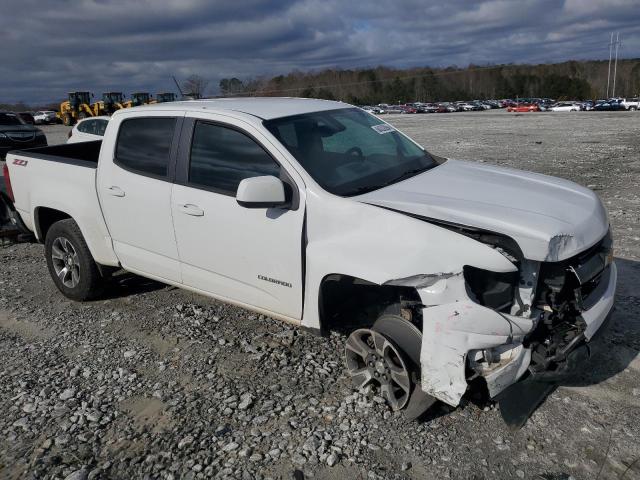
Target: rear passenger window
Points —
{"points": [[144, 145], [86, 126], [222, 157], [101, 126]]}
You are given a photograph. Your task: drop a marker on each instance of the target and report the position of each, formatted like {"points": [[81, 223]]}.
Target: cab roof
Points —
{"points": [[265, 108]]}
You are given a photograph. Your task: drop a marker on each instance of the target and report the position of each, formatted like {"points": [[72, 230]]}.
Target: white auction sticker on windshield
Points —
{"points": [[383, 128]]}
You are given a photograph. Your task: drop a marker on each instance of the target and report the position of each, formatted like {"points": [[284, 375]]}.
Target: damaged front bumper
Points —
{"points": [[463, 339]]}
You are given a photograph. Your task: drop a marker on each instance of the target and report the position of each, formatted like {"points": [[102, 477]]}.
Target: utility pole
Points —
{"points": [[615, 65], [609, 71]]}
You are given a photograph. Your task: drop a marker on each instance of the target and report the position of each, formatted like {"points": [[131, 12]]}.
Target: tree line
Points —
{"points": [[578, 80]]}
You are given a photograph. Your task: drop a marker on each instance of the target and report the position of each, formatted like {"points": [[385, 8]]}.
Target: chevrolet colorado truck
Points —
{"points": [[449, 276]]}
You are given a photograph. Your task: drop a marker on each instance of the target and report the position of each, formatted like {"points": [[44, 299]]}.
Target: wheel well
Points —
{"points": [[348, 302], [45, 217]]}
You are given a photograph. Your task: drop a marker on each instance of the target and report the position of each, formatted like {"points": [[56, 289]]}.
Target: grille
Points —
{"points": [[21, 136]]}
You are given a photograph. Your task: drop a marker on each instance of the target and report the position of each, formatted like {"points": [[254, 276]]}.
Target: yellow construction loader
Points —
{"points": [[111, 101], [137, 99], [77, 107], [164, 98]]}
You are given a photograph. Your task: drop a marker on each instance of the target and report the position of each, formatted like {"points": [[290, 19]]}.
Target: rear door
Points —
{"points": [[135, 187], [249, 255]]}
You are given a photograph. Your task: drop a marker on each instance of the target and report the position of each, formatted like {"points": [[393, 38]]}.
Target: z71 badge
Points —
{"points": [[20, 163]]}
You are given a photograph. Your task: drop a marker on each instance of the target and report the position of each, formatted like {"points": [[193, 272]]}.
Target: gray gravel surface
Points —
{"points": [[155, 382]]}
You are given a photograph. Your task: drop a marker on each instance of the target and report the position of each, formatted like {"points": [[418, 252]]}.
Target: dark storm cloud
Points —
{"points": [[50, 47]]}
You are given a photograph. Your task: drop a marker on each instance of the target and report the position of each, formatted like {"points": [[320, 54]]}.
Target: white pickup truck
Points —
{"points": [[450, 276]]}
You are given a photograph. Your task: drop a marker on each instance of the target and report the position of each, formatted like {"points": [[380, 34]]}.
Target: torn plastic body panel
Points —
{"points": [[546, 322], [454, 328]]}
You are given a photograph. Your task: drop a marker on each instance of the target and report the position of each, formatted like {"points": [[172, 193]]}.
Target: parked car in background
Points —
{"points": [[523, 107], [26, 117], [45, 117], [395, 109], [587, 105], [15, 134], [566, 107], [88, 130], [370, 109], [609, 106], [631, 103]]}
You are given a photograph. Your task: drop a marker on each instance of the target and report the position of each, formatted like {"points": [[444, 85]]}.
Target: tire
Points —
{"points": [[633, 109], [68, 120], [70, 263], [82, 115]]}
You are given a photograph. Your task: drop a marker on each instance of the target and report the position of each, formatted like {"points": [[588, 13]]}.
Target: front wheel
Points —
{"points": [[387, 356], [70, 262]]}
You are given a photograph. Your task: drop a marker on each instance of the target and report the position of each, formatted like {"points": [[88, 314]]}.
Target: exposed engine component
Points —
{"points": [[563, 289]]}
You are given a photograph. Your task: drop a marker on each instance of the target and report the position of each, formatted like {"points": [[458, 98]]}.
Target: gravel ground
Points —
{"points": [[155, 382]]}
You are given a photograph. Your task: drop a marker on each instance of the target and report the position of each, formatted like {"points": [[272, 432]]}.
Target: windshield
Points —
{"points": [[10, 119], [348, 151]]}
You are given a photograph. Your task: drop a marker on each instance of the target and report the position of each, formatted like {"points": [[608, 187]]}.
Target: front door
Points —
{"points": [[250, 256]]}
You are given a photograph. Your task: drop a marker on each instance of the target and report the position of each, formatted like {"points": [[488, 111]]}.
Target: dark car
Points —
{"points": [[609, 106], [26, 117], [17, 135]]}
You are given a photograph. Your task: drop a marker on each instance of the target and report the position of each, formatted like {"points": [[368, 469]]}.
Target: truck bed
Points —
{"points": [[82, 154], [61, 178]]}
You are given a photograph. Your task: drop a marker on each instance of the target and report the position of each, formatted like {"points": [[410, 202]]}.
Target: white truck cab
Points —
{"points": [[322, 215]]}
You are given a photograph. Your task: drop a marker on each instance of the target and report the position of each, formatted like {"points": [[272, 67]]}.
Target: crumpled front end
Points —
{"points": [[499, 326]]}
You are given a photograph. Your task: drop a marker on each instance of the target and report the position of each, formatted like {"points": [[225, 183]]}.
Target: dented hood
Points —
{"points": [[551, 219]]}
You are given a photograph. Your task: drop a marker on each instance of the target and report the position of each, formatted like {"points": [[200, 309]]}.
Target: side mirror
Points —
{"points": [[261, 192]]}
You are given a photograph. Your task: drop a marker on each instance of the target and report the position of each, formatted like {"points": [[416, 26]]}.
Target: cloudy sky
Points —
{"points": [[49, 47]]}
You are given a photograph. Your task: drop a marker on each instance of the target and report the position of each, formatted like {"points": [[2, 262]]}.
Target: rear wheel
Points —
{"points": [[633, 109], [70, 263]]}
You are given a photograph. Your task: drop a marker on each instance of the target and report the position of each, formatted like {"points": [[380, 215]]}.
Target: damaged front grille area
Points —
{"points": [[563, 293]]}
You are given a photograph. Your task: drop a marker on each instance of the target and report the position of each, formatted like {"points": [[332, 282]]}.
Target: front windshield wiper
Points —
{"points": [[407, 174], [369, 188]]}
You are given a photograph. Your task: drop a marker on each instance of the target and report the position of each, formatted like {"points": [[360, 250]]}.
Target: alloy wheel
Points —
{"points": [[373, 359], [65, 262]]}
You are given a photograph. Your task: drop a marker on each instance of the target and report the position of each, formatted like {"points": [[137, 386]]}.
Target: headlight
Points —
{"points": [[2, 135], [39, 133], [495, 290]]}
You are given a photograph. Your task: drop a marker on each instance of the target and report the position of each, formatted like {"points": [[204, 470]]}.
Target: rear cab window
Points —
{"points": [[144, 145]]}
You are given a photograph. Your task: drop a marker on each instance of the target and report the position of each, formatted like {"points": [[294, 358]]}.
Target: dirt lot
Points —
{"points": [[154, 382]]}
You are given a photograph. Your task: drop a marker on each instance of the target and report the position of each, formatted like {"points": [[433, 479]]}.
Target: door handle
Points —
{"points": [[193, 210], [116, 191]]}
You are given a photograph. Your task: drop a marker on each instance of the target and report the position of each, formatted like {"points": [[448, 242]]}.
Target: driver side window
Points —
{"points": [[222, 157]]}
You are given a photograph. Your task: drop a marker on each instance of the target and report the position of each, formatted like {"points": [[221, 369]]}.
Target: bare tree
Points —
{"points": [[195, 86]]}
